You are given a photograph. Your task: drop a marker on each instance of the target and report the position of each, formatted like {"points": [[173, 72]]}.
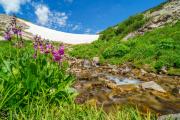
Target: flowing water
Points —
{"points": [[123, 81]]}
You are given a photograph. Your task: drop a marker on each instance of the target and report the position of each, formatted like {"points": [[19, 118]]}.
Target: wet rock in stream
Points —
{"points": [[152, 85], [176, 91]]}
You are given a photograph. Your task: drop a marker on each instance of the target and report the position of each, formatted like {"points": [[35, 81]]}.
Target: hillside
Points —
{"points": [[160, 16], [149, 40]]}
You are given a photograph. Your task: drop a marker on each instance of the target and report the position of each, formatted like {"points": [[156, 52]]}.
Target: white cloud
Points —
{"points": [[12, 6], [42, 13], [75, 27], [88, 30], [59, 18], [50, 18]]}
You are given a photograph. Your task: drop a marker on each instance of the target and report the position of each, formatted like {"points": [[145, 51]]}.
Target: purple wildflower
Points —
{"points": [[48, 48], [35, 45], [20, 32], [15, 30], [7, 35], [61, 50], [57, 57], [41, 48], [35, 55], [58, 54]]}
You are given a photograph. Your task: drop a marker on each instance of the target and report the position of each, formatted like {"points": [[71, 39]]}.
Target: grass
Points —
{"points": [[121, 30], [158, 48], [38, 89], [25, 81]]}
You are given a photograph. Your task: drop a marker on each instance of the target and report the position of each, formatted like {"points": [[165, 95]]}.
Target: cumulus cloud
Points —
{"points": [[12, 6], [42, 12], [50, 18], [59, 18]]}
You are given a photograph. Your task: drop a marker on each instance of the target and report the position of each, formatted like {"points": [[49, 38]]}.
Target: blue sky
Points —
{"points": [[76, 16]]}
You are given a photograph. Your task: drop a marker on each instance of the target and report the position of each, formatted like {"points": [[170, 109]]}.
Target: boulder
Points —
{"points": [[96, 61], [129, 36], [143, 72], [152, 85], [164, 69], [125, 70], [170, 117], [86, 64]]}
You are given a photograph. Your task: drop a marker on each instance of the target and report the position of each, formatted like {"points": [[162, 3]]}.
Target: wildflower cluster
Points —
{"points": [[14, 30], [40, 46], [45, 47]]}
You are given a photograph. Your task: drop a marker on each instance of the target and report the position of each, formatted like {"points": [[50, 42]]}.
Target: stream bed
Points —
{"points": [[107, 86]]}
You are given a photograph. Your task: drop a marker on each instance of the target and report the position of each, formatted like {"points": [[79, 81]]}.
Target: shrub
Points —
{"points": [[116, 51], [167, 43], [131, 24], [159, 65], [107, 34]]}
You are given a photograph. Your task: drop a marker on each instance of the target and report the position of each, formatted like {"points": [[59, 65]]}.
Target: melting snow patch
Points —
{"points": [[54, 35]]}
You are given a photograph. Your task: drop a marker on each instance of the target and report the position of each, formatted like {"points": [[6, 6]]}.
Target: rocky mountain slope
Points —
{"points": [[168, 12]]}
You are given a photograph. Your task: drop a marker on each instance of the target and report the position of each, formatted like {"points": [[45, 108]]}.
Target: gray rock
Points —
{"points": [[176, 91], [86, 64], [164, 69], [152, 85], [112, 66], [96, 61], [143, 72], [125, 70], [170, 117], [130, 35]]}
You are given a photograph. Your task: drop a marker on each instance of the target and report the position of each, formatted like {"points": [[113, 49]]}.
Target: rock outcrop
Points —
{"points": [[168, 13]]}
